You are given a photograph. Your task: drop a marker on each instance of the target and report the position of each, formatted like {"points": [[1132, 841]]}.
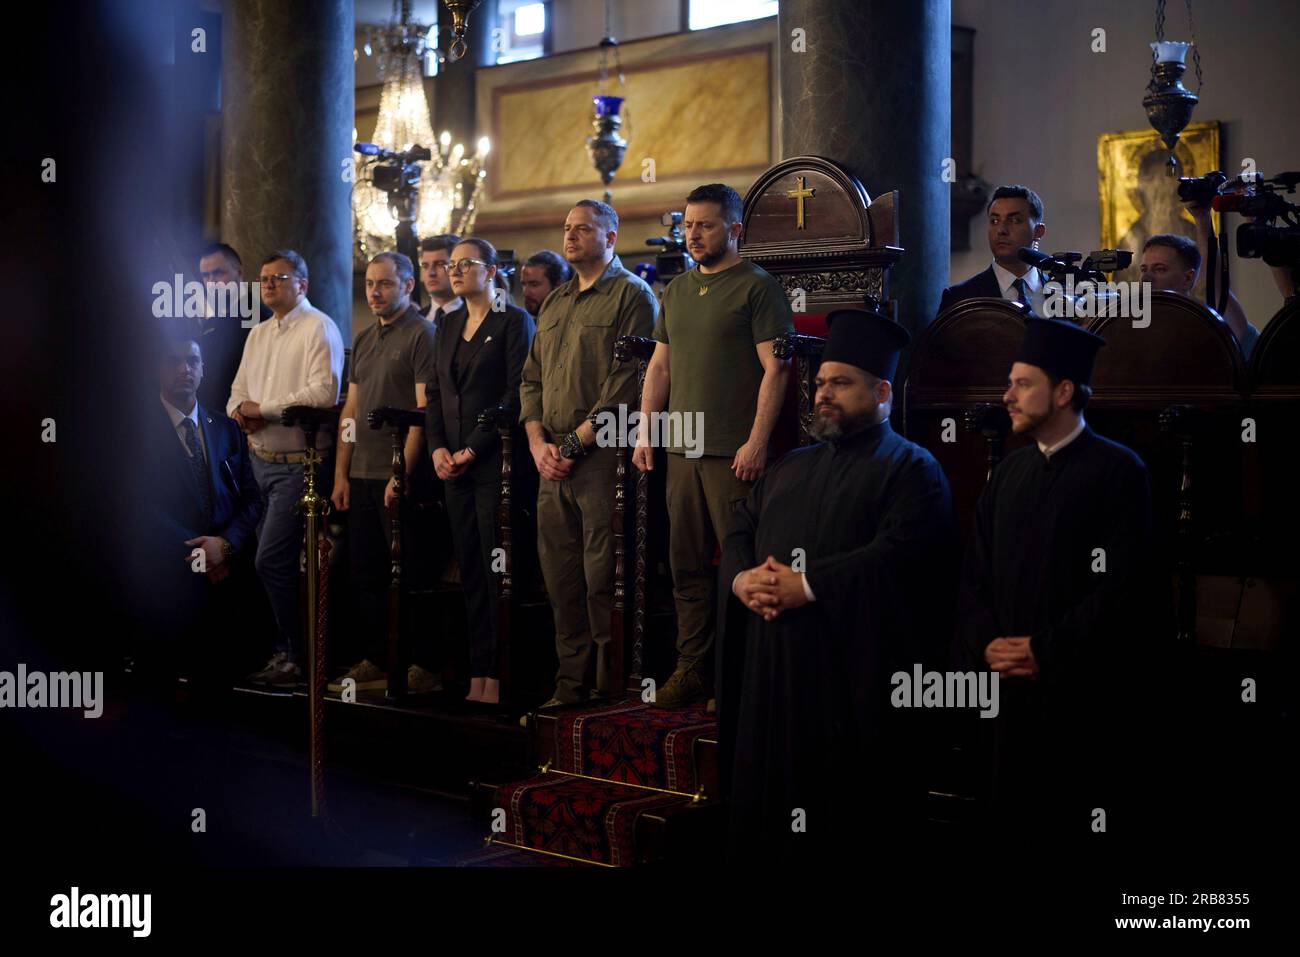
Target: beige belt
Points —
{"points": [[280, 458]]}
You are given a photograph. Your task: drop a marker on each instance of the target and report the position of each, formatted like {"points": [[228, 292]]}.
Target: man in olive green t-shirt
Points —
{"points": [[714, 368]]}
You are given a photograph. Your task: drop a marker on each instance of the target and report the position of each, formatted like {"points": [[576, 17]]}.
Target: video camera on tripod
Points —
{"points": [[392, 171], [673, 259], [1093, 267], [398, 175], [1254, 196], [1278, 244]]}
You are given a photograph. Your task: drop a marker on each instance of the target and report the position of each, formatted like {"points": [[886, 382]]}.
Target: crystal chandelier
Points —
{"points": [[450, 180]]}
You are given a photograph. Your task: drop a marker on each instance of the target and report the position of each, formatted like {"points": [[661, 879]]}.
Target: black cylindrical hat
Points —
{"points": [[864, 339], [1061, 349]]}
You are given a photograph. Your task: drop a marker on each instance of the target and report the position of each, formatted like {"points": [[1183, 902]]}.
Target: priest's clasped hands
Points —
{"points": [[770, 588], [1012, 657]]}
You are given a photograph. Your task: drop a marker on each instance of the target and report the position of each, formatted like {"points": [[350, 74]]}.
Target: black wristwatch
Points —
{"points": [[571, 447]]}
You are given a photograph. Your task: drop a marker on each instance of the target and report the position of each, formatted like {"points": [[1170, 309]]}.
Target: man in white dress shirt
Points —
{"points": [[293, 358]]}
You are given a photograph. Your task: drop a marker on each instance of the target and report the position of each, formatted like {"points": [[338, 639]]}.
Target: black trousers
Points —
{"points": [[472, 514], [369, 534]]}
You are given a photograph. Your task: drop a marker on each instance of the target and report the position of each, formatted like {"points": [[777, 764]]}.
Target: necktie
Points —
{"points": [[1022, 295], [198, 464]]}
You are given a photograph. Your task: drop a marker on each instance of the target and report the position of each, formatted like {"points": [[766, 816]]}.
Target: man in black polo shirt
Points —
{"points": [[391, 361]]}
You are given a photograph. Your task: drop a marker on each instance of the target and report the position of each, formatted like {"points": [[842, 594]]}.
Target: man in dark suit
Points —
{"points": [[435, 251], [1015, 219], [221, 335], [203, 510]]}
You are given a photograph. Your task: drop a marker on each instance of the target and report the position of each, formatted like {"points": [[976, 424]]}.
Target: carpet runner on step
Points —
{"points": [[578, 817], [634, 743]]}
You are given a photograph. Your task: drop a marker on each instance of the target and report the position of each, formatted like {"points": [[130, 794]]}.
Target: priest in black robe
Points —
{"points": [[1057, 598], [840, 568]]}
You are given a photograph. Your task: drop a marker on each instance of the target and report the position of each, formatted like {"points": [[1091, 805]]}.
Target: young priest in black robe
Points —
{"points": [[1057, 598], [838, 565]]}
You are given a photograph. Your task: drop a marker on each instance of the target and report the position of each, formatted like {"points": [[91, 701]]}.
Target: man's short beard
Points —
{"points": [[1034, 421], [396, 309], [711, 257], [825, 428]]}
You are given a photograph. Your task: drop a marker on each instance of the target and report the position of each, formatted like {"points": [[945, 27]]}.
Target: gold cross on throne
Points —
{"points": [[799, 194], [312, 458]]}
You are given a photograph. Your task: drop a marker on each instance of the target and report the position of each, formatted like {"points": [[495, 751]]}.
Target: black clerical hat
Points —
{"points": [[864, 339], [1061, 349]]}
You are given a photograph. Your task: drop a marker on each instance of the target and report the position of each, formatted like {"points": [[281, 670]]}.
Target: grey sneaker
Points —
{"points": [[286, 676], [367, 675], [270, 668], [683, 688], [421, 681]]}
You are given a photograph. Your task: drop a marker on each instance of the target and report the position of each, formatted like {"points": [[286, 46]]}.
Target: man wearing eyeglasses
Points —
{"points": [[435, 251], [570, 376], [294, 358], [391, 361]]}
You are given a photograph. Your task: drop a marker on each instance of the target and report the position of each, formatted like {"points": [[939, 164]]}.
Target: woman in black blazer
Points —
{"points": [[478, 359]]}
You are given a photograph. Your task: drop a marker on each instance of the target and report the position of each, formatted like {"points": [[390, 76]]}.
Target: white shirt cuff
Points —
{"points": [[807, 589]]}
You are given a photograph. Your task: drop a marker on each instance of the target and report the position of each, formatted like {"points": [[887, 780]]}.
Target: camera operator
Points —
{"points": [[1173, 263]]}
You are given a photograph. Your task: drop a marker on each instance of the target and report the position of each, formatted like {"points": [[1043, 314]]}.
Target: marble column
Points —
{"points": [[287, 81], [870, 89]]}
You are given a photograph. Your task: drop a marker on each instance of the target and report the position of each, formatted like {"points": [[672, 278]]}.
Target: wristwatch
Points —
{"points": [[226, 549]]}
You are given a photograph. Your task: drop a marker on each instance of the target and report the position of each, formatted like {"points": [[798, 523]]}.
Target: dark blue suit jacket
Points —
{"points": [[177, 505], [982, 285]]}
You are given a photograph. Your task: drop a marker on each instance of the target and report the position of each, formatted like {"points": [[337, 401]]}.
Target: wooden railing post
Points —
{"points": [[504, 420], [806, 352], [636, 349], [399, 420], [992, 421], [314, 506], [1180, 422]]}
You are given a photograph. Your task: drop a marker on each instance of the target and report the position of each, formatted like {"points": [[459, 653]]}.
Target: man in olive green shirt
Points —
{"points": [[569, 376], [714, 368]]}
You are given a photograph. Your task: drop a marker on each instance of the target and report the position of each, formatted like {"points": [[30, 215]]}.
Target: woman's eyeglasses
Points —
{"points": [[458, 266]]}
